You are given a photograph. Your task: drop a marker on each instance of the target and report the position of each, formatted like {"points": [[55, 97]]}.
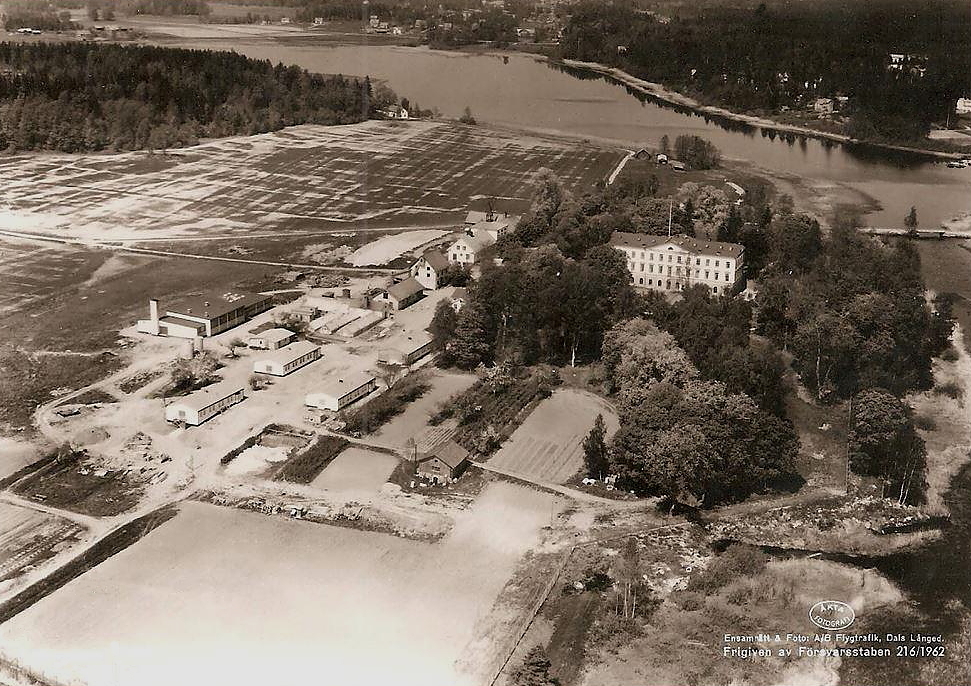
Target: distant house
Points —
{"points": [[963, 106], [395, 112], [400, 295], [318, 21], [287, 359], [271, 339], [428, 267], [203, 315], [442, 463], [197, 407], [339, 392], [662, 158], [468, 249], [497, 227], [642, 154], [678, 166], [823, 106]]}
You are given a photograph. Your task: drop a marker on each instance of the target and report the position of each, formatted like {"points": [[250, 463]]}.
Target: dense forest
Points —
{"points": [[765, 60], [17, 14], [83, 97], [106, 9]]}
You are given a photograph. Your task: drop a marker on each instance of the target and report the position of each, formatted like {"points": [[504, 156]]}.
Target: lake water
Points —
{"points": [[521, 91]]}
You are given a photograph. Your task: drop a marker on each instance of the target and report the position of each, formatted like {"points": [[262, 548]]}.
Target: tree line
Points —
{"points": [[19, 14], [84, 97], [768, 59]]}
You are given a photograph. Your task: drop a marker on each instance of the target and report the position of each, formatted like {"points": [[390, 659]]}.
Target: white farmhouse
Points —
{"points": [[468, 249], [427, 269]]}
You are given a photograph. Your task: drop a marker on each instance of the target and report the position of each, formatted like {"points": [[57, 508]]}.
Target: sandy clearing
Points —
{"points": [[548, 445], [388, 248], [255, 459], [357, 470], [225, 596]]}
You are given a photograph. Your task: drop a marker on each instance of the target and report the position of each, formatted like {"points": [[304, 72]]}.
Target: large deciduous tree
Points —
{"points": [[883, 443]]}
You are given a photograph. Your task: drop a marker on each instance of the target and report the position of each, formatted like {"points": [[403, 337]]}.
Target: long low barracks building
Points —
{"points": [[672, 263]]}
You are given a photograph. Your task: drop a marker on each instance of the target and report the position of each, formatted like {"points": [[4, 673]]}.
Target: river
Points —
{"points": [[521, 91]]}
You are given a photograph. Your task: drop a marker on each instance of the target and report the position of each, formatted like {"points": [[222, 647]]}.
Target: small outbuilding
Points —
{"points": [[407, 348], [400, 295], [287, 359], [444, 462], [339, 392], [271, 339], [197, 407]]}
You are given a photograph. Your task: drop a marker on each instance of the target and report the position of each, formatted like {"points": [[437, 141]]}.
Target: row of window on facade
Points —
{"points": [[678, 272], [666, 285], [660, 258]]}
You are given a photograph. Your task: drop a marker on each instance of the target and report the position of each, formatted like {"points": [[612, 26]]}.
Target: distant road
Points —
{"points": [[195, 256]]}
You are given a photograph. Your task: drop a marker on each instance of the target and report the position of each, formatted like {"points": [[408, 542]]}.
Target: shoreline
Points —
{"points": [[663, 94]]}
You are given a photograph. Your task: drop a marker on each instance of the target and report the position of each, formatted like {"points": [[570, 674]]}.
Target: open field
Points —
{"points": [[31, 272], [548, 445], [27, 537], [219, 595], [300, 178]]}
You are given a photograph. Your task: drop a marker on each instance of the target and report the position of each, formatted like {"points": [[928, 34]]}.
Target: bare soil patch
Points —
{"points": [[236, 597]]}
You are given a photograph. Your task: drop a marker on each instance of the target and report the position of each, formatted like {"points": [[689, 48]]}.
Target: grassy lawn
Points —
{"points": [[822, 441]]}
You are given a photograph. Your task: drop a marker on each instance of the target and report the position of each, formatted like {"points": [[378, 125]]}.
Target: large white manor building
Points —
{"points": [[672, 263]]}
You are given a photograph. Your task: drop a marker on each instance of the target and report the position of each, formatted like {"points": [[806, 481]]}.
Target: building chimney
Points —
{"points": [[153, 309]]}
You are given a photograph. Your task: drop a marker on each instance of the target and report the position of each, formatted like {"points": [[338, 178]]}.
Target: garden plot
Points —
{"points": [[224, 596], [413, 422], [548, 445], [300, 178], [357, 470], [28, 537]]}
